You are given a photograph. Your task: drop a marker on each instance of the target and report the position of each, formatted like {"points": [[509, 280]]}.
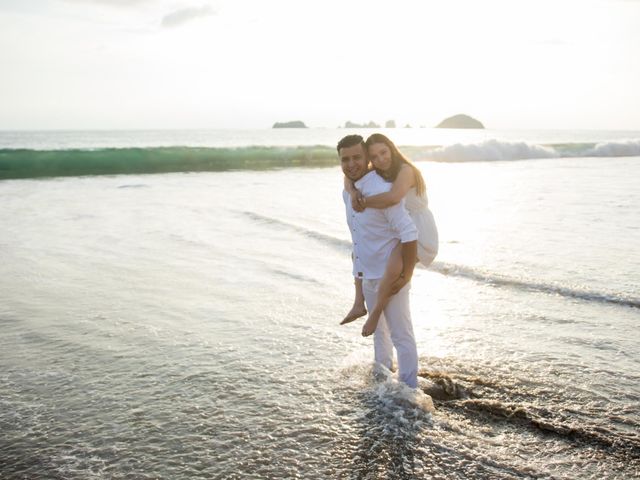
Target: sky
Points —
{"points": [[137, 64]]}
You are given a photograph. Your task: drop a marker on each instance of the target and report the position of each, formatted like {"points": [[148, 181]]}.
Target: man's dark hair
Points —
{"points": [[350, 141]]}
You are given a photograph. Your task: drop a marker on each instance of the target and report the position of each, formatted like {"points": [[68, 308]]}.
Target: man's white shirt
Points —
{"points": [[375, 232]]}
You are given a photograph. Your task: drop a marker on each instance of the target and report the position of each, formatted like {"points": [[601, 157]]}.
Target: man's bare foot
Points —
{"points": [[356, 312], [371, 324]]}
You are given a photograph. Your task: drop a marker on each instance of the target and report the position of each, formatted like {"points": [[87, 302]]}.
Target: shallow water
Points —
{"points": [[185, 326]]}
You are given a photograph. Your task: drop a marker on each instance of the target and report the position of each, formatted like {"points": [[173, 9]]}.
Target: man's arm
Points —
{"points": [[347, 200]]}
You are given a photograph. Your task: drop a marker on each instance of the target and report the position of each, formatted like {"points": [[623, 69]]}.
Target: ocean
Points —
{"points": [[170, 305]]}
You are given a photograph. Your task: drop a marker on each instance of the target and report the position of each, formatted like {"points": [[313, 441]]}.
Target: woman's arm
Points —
{"points": [[356, 197], [348, 186], [404, 181]]}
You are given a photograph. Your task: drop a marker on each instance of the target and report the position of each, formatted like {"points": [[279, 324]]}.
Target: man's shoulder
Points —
{"points": [[370, 177], [372, 183]]}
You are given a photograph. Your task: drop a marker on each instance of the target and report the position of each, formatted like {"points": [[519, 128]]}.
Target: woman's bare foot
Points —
{"points": [[356, 312], [371, 324]]}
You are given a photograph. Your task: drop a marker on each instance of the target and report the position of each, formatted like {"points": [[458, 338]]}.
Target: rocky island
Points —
{"points": [[292, 124], [371, 124], [460, 121]]}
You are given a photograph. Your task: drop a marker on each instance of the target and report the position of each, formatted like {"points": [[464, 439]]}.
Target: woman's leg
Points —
{"points": [[358, 310], [391, 273]]}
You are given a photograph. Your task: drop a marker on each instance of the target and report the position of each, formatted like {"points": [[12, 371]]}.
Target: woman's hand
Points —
{"points": [[358, 201]]}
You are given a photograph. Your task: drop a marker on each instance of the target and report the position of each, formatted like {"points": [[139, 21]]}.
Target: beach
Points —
{"points": [[185, 324]]}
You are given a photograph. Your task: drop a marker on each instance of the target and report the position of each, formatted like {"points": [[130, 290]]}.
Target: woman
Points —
{"points": [[408, 183]]}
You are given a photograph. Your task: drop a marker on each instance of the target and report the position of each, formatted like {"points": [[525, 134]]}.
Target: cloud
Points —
{"points": [[185, 15]]}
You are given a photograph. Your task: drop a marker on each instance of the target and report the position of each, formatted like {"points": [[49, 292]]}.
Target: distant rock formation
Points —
{"points": [[293, 124], [460, 121], [390, 124], [349, 124]]}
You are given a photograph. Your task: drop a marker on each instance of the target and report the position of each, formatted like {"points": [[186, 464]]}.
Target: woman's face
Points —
{"points": [[380, 156]]}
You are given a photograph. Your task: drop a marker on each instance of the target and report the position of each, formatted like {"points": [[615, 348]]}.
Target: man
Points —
{"points": [[375, 233]]}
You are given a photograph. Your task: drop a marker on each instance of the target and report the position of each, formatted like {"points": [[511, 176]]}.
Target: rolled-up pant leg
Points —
{"points": [[382, 344], [398, 321], [394, 330]]}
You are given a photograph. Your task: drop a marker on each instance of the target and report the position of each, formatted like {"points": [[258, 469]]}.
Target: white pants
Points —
{"points": [[394, 330]]}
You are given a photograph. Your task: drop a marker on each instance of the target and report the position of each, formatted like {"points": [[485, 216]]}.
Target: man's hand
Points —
{"points": [[399, 283], [358, 201]]}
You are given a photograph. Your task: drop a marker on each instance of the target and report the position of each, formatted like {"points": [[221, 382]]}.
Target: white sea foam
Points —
{"points": [[490, 150], [625, 148], [382, 384], [497, 150]]}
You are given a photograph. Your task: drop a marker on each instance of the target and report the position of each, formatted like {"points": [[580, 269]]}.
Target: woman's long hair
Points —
{"points": [[397, 159]]}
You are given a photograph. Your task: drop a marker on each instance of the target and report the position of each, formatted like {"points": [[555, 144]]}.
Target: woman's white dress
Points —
{"points": [[418, 208]]}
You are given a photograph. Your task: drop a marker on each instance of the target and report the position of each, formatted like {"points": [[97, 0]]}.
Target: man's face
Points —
{"points": [[354, 161]]}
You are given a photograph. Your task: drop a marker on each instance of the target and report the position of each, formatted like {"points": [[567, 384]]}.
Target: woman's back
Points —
{"points": [[418, 209], [413, 202]]}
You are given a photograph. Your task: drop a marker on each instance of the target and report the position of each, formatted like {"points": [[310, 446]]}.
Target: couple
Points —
{"points": [[387, 243]]}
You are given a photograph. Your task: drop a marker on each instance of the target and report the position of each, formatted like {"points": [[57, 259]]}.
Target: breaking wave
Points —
{"points": [[27, 163], [496, 150], [490, 150]]}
